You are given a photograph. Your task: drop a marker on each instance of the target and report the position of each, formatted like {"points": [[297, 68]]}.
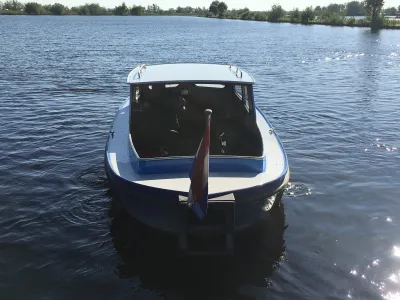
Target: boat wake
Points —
{"points": [[92, 177], [297, 190], [87, 210], [88, 202]]}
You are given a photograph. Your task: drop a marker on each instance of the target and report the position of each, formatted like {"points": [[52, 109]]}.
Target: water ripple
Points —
{"points": [[297, 190], [330, 92], [92, 177]]}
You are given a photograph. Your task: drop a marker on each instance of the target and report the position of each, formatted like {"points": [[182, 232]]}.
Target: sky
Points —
{"points": [[251, 4]]}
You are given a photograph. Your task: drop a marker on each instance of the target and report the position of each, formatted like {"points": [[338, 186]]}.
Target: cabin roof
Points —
{"points": [[189, 72]]}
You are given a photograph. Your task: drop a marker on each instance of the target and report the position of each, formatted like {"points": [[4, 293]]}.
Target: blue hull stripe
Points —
{"points": [[184, 164]]}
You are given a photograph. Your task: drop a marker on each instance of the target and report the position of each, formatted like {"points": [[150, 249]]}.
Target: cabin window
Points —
{"points": [[135, 94], [211, 85], [245, 98], [238, 90], [171, 85], [242, 93]]}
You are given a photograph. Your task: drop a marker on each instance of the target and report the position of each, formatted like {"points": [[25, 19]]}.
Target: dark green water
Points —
{"points": [[332, 94]]}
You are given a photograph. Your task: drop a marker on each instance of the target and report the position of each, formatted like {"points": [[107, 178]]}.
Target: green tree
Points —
{"points": [[188, 10], [222, 8], [58, 9], [307, 15], [214, 7], [137, 10], [33, 8], [121, 10], [81, 10], [73, 11], [156, 9], [13, 5], [391, 11], [355, 8], [95, 9], [336, 9], [199, 11], [276, 13], [373, 9], [153, 9], [246, 15], [318, 10], [260, 16], [295, 15]]}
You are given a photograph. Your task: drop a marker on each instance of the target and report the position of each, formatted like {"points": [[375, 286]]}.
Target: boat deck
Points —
{"points": [[119, 154]]}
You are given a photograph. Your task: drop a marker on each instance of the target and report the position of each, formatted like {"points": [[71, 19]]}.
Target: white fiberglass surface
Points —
{"points": [[119, 149]]}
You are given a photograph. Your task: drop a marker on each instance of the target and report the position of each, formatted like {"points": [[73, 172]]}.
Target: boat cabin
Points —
{"points": [[167, 104]]}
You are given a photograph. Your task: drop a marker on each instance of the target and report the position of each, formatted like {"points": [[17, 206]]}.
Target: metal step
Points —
{"points": [[215, 233]]}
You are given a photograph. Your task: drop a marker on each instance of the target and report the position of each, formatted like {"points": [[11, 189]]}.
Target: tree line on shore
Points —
{"points": [[333, 14], [94, 9]]}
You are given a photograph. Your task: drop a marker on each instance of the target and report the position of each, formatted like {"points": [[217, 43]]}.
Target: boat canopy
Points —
{"points": [[189, 72]]}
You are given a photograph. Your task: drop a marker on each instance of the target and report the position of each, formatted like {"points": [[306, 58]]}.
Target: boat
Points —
{"points": [[155, 136]]}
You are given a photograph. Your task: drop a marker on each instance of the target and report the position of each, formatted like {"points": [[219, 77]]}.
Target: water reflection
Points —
{"points": [[396, 251], [370, 72], [151, 257]]}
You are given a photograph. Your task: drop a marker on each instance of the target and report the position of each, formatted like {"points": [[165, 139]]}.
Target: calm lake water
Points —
{"points": [[332, 94]]}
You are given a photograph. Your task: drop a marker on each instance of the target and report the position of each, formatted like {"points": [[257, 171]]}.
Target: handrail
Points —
{"points": [[237, 70], [141, 67], [241, 73]]}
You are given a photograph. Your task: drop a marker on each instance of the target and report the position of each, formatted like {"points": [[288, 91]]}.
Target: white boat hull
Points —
{"points": [[154, 198]]}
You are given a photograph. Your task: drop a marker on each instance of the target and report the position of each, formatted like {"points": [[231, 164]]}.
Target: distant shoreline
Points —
{"points": [[334, 14], [361, 23]]}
